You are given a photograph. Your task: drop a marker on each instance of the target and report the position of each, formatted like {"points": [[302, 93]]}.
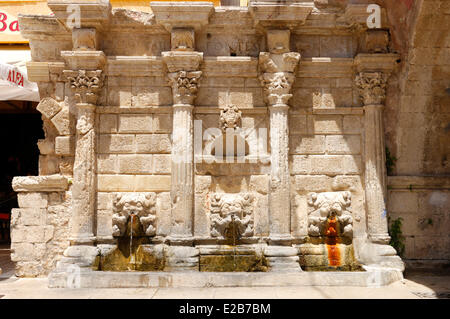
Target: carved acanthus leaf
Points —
{"points": [[86, 84], [278, 76], [372, 87], [184, 86]]}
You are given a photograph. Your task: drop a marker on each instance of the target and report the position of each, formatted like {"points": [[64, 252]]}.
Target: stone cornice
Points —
{"points": [[182, 60], [93, 13], [43, 27], [182, 14], [356, 15], [272, 13], [84, 60], [377, 62]]}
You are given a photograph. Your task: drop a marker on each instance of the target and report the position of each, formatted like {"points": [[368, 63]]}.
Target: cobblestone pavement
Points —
{"points": [[417, 286]]}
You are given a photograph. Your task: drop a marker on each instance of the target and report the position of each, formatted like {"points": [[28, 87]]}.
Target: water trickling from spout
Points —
{"points": [[132, 261], [334, 255], [234, 241]]}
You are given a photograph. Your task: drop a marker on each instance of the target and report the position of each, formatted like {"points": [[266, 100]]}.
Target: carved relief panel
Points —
{"points": [[327, 206], [231, 215]]}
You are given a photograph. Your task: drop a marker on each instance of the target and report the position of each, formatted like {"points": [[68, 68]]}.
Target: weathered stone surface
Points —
{"points": [[134, 105], [64, 145], [48, 107], [30, 200], [50, 183]]}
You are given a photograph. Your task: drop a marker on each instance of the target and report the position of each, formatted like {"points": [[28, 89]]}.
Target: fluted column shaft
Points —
{"points": [[372, 89], [279, 196], [375, 174], [84, 177], [182, 172]]}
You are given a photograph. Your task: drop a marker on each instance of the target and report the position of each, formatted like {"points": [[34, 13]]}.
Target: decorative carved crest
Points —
{"points": [[231, 215], [326, 205], [140, 205], [184, 86], [372, 87], [85, 84], [230, 117]]}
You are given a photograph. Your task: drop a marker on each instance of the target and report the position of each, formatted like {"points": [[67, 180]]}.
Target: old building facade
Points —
{"points": [[202, 138]]}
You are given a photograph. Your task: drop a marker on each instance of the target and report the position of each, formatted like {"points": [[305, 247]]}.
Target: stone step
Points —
{"points": [[103, 279]]}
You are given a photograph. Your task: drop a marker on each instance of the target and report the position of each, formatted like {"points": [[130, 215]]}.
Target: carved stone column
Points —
{"points": [[372, 88], [183, 65], [278, 67], [371, 84], [277, 76], [85, 85]]}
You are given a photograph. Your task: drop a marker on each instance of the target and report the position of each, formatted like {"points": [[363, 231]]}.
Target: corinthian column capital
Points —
{"points": [[184, 74], [372, 87], [184, 86], [277, 68], [85, 84]]}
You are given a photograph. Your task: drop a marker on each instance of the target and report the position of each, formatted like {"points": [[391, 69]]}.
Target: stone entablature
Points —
{"points": [[130, 112]]}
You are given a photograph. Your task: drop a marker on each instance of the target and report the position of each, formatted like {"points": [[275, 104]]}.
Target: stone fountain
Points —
{"points": [[140, 108]]}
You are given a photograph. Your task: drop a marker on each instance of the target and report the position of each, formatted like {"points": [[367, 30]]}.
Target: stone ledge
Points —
{"points": [[49, 183], [99, 279], [226, 66], [133, 183], [419, 182], [182, 14], [325, 67]]}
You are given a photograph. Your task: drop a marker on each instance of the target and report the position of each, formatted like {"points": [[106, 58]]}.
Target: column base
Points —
{"points": [[383, 239], [378, 255], [76, 257], [282, 258], [180, 240], [280, 240], [182, 258], [77, 241]]}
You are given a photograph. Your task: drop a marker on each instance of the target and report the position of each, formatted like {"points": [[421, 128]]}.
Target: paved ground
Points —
{"points": [[416, 286]]}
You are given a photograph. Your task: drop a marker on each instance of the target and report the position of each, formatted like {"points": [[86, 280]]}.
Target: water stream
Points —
{"points": [[132, 257]]}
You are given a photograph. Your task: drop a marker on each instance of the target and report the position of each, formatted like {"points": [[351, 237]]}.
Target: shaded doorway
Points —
{"points": [[20, 129]]}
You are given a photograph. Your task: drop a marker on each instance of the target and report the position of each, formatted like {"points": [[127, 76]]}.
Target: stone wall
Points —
{"points": [[150, 82], [422, 204], [40, 227], [417, 132]]}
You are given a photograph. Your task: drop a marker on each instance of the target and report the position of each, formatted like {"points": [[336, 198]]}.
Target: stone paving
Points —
{"points": [[416, 286]]}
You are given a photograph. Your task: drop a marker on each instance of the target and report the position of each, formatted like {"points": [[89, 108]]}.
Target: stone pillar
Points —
{"points": [[85, 85], [376, 250], [183, 66], [372, 87], [278, 67], [84, 77], [278, 74]]}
